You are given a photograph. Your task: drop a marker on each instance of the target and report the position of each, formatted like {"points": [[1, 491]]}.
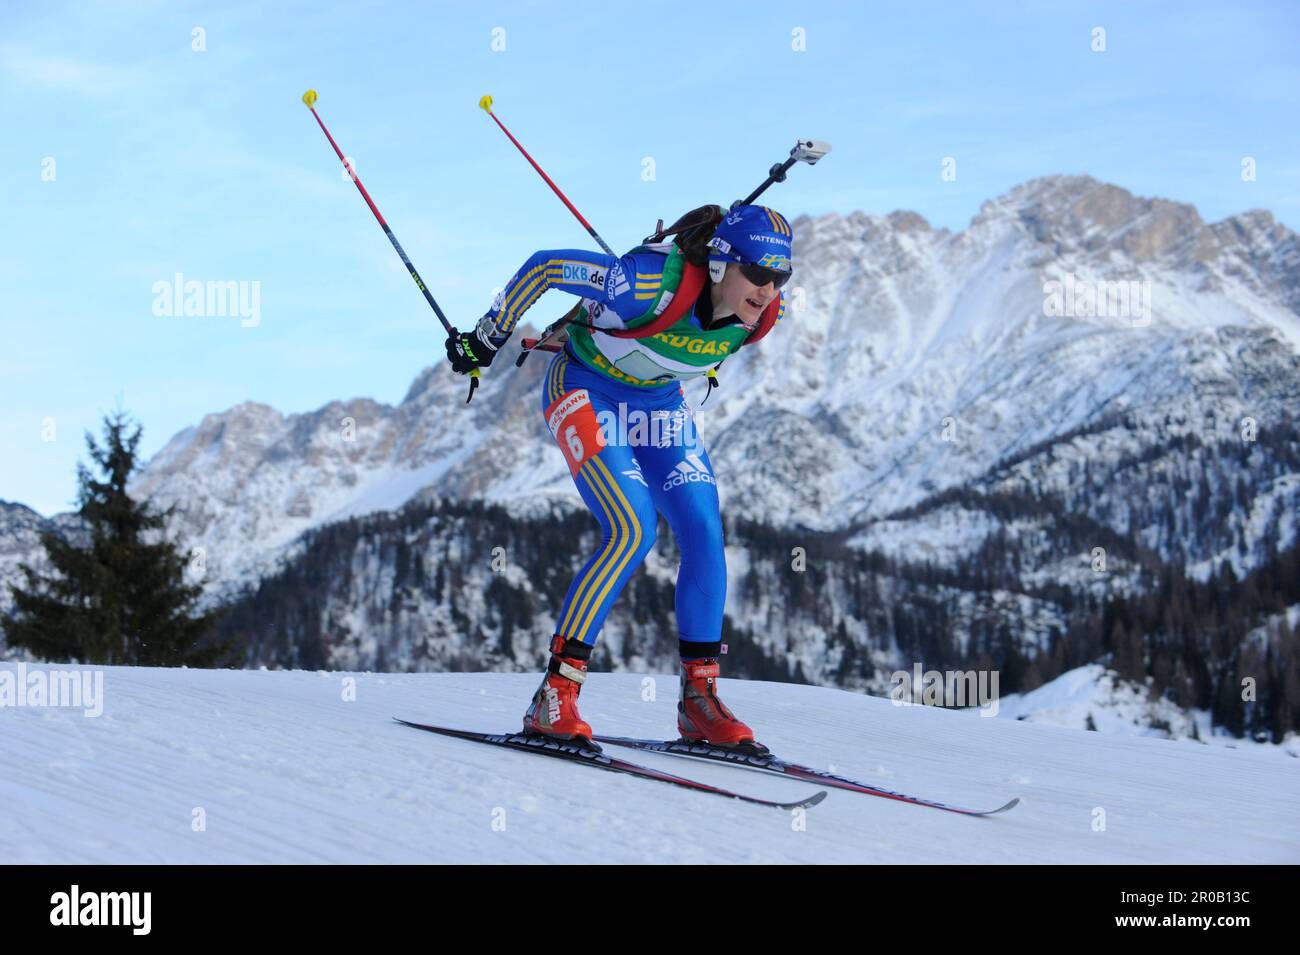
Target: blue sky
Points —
{"points": [[166, 159]]}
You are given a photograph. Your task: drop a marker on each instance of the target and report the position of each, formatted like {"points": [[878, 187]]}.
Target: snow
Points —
{"points": [[1115, 706], [388, 490], [1121, 707], [1278, 501], [285, 769], [944, 535]]}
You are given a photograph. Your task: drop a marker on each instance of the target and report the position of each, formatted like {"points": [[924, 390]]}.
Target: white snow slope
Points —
{"points": [[284, 770]]}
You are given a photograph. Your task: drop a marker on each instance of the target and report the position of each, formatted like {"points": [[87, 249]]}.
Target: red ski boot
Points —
{"points": [[554, 710], [701, 716]]}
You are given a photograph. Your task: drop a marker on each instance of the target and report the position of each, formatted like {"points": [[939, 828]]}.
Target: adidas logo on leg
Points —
{"points": [[692, 470]]}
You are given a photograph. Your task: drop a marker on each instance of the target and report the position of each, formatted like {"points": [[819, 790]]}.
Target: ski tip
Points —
{"points": [[309, 98], [485, 104], [994, 812], [808, 803]]}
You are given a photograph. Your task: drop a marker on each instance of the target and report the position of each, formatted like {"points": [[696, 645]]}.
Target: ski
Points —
{"points": [[766, 762], [586, 756]]}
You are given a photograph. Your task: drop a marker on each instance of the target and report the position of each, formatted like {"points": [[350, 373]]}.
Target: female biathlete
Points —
{"points": [[663, 314]]}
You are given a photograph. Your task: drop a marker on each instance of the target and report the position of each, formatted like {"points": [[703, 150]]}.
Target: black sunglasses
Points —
{"points": [[760, 276]]}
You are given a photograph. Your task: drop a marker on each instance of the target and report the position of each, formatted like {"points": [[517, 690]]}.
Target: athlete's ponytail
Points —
{"points": [[693, 232]]}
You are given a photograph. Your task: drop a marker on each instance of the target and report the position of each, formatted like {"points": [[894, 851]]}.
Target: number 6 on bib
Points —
{"points": [[573, 424]]}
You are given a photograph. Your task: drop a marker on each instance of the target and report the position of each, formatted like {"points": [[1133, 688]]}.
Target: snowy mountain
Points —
{"points": [[914, 360], [265, 767]]}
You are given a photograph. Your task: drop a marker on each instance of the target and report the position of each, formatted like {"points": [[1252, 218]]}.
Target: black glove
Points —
{"points": [[469, 350]]}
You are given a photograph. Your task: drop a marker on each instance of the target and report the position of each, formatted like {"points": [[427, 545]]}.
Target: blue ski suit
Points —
{"points": [[632, 449]]}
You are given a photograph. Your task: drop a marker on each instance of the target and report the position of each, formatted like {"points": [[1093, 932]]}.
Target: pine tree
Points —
{"points": [[118, 596]]}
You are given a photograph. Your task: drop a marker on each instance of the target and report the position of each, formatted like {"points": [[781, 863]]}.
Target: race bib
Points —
{"points": [[576, 430]]}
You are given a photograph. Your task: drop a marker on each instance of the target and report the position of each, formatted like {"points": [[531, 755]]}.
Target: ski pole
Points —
{"points": [[528, 344], [309, 100], [486, 105]]}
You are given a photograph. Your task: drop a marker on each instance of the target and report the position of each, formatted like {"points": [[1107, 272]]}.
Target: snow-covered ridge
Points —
{"points": [[1096, 699]]}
